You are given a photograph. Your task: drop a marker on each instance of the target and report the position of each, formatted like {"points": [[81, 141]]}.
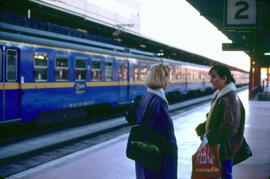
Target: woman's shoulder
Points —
{"points": [[151, 96], [153, 100], [230, 95], [231, 98]]}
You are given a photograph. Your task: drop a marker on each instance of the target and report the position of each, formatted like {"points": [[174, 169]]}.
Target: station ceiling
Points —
{"points": [[254, 40]]}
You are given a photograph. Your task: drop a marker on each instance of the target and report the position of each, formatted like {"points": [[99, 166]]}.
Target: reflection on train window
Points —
{"points": [[11, 65], [96, 70], [123, 71], [173, 70], [143, 72], [108, 71], [203, 75], [61, 68], [0, 65], [178, 72], [136, 71], [184, 73], [188, 74], [80, 68], [41, 66], [195, 75]]}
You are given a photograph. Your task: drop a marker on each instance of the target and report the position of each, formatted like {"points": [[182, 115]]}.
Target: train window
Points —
{"points": [[96, 70], [136, 71], [143, 71], [184, 72], [108, 71], [178, 72], [173, 72], [11, 65], [80, 68], [0, 65], [123, 71], [40, 66], [61, 68]]}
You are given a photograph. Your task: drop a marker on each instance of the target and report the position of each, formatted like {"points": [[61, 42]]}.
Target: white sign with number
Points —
{"points": [[241, 12]]}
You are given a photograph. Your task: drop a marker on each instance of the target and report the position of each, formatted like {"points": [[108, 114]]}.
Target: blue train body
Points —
{"points": [[40, 75]]}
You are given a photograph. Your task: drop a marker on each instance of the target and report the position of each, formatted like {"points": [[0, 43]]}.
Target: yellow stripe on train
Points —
{"points": [[71, 84], [47, 85], [9, 86]]}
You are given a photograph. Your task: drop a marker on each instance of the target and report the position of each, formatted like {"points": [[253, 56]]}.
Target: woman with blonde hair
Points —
{"points": [[155, 102]]}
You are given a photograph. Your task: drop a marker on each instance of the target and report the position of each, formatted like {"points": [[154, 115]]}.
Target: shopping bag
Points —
{"points": [[205, 162]]}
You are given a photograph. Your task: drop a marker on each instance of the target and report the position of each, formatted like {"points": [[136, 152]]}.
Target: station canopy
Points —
{"points": [[245, 22]]}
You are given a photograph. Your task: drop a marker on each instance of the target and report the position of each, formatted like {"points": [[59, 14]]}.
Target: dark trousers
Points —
{"points": [[226, 168]]}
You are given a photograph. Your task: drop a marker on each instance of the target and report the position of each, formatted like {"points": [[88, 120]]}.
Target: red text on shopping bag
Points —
{"points": [[205, 162]]}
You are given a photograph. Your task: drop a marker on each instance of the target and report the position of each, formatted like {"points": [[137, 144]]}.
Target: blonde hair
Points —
{"points": [[158, 76]]}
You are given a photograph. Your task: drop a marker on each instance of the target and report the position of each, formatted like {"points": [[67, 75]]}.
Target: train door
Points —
{"points": [[123, 77], [10, 91]]}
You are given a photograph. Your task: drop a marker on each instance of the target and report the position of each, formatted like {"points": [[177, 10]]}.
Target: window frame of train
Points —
{"points": [[121, 74], [143, 66], [66, 57], [96, 60], [136, 66], [110, 76], [80, 69], [36, 67], [16, 66], [11, 95], [173, 72]]}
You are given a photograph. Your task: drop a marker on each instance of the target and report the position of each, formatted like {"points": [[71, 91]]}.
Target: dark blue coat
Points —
{"points": [[161, 123]]}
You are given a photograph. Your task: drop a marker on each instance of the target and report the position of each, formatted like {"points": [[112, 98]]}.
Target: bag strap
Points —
{"points": [[147, 116]]}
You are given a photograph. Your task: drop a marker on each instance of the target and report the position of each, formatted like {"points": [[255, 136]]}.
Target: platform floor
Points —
{"points": [[107, 160]]}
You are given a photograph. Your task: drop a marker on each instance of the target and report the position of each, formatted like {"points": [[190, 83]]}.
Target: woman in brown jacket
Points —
{"points": [[223, 125]]}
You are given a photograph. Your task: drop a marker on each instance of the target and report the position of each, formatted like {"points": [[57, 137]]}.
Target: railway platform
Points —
{"points": [[107, 160]]}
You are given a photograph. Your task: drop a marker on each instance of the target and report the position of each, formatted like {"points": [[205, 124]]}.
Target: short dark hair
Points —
{"points": [[223, 71]]}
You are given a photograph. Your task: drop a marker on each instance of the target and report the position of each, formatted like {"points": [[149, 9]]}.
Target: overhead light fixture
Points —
{"points": [[267, 53], [142, 45]]}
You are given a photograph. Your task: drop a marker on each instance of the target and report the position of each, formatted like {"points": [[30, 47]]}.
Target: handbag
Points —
{"points": [[205, 162], [146, 146], [243, 154], [245, 151]]}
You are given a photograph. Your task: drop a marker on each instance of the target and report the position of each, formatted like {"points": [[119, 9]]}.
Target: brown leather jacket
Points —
{"points": [[226, 125]]}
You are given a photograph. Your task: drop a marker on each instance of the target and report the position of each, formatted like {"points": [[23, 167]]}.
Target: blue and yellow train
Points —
{"points": [[46, 72]]}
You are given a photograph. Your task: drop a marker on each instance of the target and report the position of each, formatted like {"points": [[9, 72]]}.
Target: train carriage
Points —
{"points": [[45, 72]]}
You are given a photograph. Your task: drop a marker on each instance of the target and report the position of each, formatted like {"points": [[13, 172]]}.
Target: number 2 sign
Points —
{"points": [[240, 13]]}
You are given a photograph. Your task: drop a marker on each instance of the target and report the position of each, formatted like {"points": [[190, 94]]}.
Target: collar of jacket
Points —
{"points": [[159, 92], [228, 88], [218, 94]]}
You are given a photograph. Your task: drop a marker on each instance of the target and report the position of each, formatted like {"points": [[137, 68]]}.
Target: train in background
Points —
{"points": [[45, 73]]}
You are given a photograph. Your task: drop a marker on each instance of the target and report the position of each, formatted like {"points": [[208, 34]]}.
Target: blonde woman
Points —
{"points": [[157, 80]]}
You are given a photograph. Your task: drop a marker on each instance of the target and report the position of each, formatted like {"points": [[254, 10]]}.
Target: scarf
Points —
{"points": [[218, 94], [159, 92]]}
